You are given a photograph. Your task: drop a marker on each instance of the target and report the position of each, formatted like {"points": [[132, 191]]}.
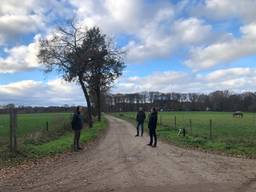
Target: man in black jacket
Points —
{"points": [[140, 121], [77, 125], [152, 123]]}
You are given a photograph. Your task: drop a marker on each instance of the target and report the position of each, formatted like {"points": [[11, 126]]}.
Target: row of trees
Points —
{"points": [[215, 101], [28, 109], [86, 56]]}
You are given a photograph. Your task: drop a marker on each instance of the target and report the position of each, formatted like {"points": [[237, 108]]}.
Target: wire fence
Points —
{"points": [[210, 125], [18, 128]]}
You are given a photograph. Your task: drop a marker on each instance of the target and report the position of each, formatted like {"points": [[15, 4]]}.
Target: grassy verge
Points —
{"points": [[61, 144], [240, 148]]}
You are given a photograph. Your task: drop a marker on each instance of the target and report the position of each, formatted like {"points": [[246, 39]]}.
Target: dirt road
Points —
{"points": [[122, 162]]}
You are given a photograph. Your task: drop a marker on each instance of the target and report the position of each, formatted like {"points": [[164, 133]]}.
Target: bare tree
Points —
{"points": [[107, 65], [64, 53]]}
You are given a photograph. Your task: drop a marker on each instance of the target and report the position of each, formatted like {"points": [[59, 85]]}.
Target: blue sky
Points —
{"points": [[172, 46]]}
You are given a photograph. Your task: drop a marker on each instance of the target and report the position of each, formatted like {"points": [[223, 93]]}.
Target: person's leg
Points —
{"points": [[155, 137], [138, 125], [142, 129], [78, 139], [151, 137], [75, 140]]}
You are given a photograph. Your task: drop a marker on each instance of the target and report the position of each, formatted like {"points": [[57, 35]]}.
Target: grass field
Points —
{"points": [[28, 123], [231, 135], [35, 141]]}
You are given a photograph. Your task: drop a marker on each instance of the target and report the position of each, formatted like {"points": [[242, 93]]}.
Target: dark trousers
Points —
{"points": [[140, 125], [76, 139], [152, 134]]}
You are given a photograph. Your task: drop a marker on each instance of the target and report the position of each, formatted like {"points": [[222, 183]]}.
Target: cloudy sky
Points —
{"points": [[172, 45]]}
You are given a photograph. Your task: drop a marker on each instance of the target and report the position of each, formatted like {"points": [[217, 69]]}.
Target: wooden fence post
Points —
{"points": [[13, 127], [47, 126], [184, 132], [11, 130], [14, 130], [175, 122], [210, 129], [190, 126]]}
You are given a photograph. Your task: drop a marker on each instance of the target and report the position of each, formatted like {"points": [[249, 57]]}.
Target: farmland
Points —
{"points": [[28, 123], [35, 140], [225, 134]]}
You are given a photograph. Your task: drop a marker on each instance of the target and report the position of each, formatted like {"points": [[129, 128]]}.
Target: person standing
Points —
{"points": [[152, 123], [77, 125], [140, 118]]}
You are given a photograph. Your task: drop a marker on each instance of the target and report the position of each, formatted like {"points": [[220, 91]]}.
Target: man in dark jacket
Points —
{"points": [[77, 125], [140, 118], [152, 123]]}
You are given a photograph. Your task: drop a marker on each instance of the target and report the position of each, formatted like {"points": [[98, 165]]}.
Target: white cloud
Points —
{"points": [[227, 9], [21, 58], [234, 79], [191, 30], [152, 27], [14, 25], [37, 93], [18, 18], [156, 41], [224, 51], [231, 73]]}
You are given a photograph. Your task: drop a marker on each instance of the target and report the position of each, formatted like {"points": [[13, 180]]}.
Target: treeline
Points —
{"points": [[29, 109], [215, 101]]}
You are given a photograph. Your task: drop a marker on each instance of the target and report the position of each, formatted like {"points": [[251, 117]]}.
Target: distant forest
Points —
{"points": [[28, 109], [215, 101]]}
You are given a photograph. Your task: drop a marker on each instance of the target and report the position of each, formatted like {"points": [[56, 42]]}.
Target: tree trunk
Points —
{"points": [[98, 93], [89, 107]]}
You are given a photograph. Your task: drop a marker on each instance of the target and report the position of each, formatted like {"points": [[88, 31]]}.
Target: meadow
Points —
{"points": [[29, 123], [34, 140], [225, 134]]}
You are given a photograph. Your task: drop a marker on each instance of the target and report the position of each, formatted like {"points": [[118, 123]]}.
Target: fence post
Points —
{"points": [[14, 130], [47, 126], [210, 129], [190, 126], [11, 130], [13, 126], [175, 122], [184, 132]]}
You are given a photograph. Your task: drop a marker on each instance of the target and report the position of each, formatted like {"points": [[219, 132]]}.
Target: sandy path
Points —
{"points": [[122, 162]]}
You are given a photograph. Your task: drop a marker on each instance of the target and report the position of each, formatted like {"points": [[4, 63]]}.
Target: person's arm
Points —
{"points": [[137, 117], [156, 120], [144, 116], [149, 121], [74, 121]]}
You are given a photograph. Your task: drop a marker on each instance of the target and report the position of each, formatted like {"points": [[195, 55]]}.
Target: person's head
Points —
{"points": [[140, 109], [78, 109], [153, 110]]}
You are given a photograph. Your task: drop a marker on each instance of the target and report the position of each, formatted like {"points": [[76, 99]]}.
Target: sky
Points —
{"points": [[171, 46]]}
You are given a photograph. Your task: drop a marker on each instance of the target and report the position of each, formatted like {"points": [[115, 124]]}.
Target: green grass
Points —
{"points": [[230, 135], [28, 123], [58, 139], [64, 142]]}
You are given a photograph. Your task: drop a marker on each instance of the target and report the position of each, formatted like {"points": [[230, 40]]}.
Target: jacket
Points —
{"points": [[141, 117], [152, 122], [77, 121]]}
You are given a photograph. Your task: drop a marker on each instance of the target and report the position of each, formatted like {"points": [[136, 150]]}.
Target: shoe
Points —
{"points": [[136, 135], [80, 148], [153, 145], [141, 135], [149, 144]]}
